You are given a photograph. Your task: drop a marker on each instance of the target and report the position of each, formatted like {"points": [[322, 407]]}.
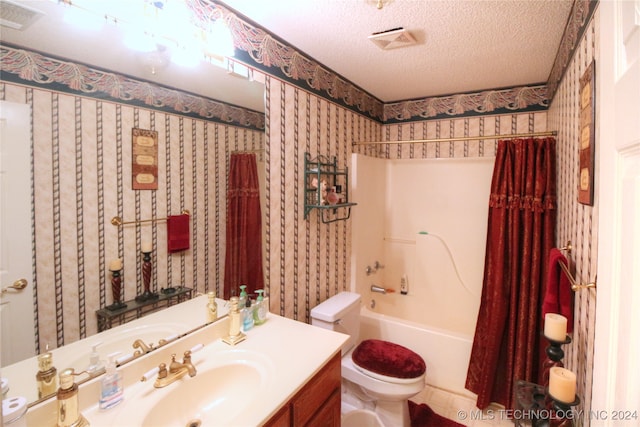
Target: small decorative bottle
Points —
{"points": [[47, 375], [212, 307]]}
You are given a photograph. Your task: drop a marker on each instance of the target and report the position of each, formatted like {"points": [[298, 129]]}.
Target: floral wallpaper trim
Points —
{"points": [[519, 99], [26, 67], [578, 20], [261, 49]]}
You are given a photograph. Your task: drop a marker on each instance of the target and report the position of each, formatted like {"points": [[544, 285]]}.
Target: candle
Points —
{"points": [[555, 327], [115, 265], [562, 384], [147, 246]]}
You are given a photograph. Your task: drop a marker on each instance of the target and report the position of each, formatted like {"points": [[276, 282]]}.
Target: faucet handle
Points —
{"points": [[162, 370]]}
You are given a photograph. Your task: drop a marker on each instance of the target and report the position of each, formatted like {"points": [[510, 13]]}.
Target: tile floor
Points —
{"points": [[462, 409]]}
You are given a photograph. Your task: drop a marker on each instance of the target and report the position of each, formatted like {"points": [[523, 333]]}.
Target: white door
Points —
{"points": [[616, 381], [16, 308]]}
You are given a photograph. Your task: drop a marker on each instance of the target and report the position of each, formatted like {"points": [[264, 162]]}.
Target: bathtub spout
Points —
{"points": [[378, 289]]}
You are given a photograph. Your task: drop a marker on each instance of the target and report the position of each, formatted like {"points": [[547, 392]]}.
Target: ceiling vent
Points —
{"points": [[17, 16], [394, 38]]}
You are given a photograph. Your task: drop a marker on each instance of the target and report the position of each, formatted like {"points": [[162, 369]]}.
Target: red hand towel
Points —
{"points": [[178, 236], [558, 296]]}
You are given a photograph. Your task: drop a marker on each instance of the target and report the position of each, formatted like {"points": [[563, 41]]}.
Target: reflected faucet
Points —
{"points": [[142, 347]]}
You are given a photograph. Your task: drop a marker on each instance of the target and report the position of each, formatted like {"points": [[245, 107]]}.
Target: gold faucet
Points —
{"points": [[176, 370]]}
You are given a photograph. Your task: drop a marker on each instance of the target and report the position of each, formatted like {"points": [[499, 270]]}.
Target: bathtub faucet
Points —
{"points": [[378, 289]]}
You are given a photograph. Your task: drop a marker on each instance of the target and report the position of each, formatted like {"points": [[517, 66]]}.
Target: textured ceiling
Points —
{"points": [[462, 46]]}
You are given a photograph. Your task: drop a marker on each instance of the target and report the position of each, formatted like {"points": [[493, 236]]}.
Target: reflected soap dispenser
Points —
{"points": [[94, 360], [46, 377], [111, 389]]}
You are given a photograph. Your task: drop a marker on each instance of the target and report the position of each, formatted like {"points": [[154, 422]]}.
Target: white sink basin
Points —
{"points": [[214, 397], [226, 385]]}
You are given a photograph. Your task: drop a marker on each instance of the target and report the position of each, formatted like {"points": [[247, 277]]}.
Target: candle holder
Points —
{"points": [[555, 354], [561, 413], [146, 279], [116, 288]]}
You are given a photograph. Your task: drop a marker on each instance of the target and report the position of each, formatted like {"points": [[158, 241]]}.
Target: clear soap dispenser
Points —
{"points": [[243, 297], [94, 360], [111, 389]]}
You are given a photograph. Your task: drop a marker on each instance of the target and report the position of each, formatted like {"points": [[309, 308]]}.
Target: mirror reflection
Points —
{"points": [[78, 173]]}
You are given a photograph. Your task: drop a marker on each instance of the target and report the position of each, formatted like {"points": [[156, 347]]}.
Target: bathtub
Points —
{"points": [[446, 353]]}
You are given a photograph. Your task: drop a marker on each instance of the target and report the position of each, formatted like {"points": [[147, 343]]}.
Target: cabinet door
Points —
{"points": [[317, 391], [329, 413]]}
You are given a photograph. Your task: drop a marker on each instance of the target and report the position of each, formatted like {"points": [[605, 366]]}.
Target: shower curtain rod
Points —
{"points": [[461, 138]]}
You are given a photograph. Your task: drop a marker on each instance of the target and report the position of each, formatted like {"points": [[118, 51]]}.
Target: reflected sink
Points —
{"points": [[123, 342], [215, 396]]}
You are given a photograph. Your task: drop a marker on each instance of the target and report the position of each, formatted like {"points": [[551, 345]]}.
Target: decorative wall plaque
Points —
{"points": [[144, 157], [587, 135]]}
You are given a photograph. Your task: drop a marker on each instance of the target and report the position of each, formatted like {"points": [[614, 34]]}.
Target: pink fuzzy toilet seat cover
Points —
{"points": [[388, 359]]}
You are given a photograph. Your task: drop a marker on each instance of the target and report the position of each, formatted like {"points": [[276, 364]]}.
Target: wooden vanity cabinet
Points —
{"points": [[317, 403]]}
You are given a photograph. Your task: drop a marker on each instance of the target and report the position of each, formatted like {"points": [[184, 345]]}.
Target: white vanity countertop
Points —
{"points": [[293, 351], [177, 319]]}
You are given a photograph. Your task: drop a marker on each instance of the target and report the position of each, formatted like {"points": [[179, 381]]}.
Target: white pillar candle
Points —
{"points": [[555, 327], [115, 265], [147, 246], [562, 384]]}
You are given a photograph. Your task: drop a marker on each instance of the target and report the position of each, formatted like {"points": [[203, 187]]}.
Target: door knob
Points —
{"points": [[18, 285]]}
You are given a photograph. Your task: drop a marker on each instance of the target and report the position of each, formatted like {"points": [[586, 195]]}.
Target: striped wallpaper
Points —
{"points": [[82, 178], [576, 222]]}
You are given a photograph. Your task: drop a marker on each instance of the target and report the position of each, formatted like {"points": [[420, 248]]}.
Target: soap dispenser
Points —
{"points": [[111, 390], [68, 408], [260, 310], [212, 307], [243, 297], [94, 360], [247, 316], [46, 377]]}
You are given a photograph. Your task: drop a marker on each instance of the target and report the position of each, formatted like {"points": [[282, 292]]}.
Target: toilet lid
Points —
{"points": [[388, 359]]}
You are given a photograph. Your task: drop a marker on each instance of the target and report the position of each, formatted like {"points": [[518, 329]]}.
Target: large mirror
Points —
{"points": [[67, 243]]}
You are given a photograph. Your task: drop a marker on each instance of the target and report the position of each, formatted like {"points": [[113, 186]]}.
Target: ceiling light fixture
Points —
{"points": [[168, 28]]}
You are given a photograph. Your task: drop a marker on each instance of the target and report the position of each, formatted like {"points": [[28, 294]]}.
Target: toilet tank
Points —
{"points": [[340, 313]]}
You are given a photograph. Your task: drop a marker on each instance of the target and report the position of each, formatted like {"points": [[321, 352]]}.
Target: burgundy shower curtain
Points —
{"points": [[521, 232], [243, 261]]}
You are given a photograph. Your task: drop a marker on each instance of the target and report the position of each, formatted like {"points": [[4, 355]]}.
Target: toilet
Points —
{"points": [[378, 376]]}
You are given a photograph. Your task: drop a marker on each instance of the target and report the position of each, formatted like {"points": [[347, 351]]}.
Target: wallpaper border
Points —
{"points": [[23, 66]]}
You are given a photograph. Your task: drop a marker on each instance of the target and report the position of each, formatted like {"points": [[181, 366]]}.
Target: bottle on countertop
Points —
{"points": [[247, 316], [261, 309], [111, 389], [47, 376], [242, 301]]}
